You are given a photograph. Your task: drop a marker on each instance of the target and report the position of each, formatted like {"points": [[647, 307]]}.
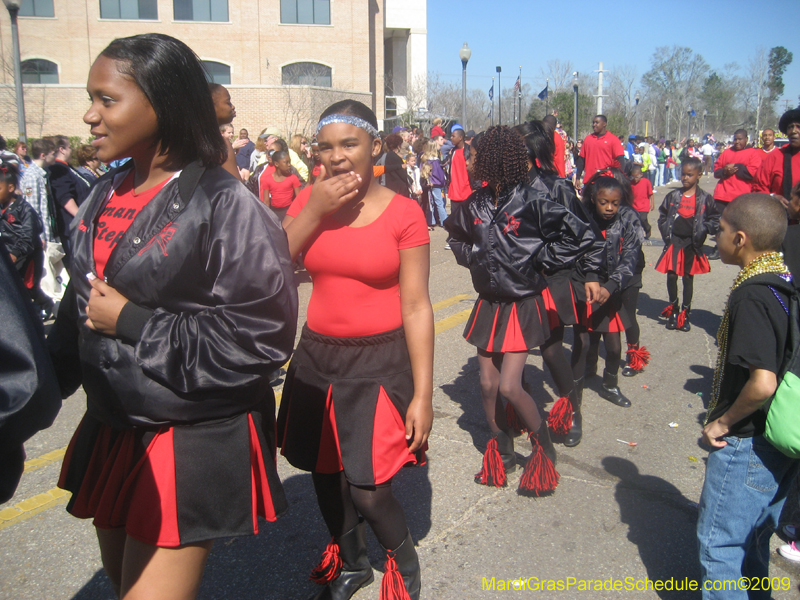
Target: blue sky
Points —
{"points": [[528, 33]]}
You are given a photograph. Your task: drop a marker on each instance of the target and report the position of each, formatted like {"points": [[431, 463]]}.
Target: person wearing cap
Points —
{"points": [[780, 170]]}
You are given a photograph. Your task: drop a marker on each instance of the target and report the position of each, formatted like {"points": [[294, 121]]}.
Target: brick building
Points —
{"points": [[283, 61]]}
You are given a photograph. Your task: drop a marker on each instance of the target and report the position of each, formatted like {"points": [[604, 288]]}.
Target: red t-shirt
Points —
{"points": [[686, 208], [559, 156], [278, 194], [770, 174], [356, 270], [642, 190], [729, 188], [600, 152], [459, 189], [116, 218]]}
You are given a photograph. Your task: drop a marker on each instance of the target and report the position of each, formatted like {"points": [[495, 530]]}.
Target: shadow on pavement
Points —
{"points": [[276, 563], [701, 385], [661, 522]]}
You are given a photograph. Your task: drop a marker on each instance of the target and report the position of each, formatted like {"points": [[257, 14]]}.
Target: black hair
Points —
{"points": [[607, 182], [351, 107], [600, 178], [738, 131], [761, 217], [9, 172], [458, 131], [279, 154], [213, 88], [3, 143], [795, 191], [550, 122], [284, 147], [541, 146], [61, 141], [171, 77], [602, 117], [693, 161], [476, 141], [41, 147], [501, 159]]}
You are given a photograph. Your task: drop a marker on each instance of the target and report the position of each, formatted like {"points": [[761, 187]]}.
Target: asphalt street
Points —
{"points": [[620, 511]]}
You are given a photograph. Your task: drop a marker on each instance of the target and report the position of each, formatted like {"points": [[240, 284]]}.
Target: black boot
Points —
{"points": [[610, 391], [636, 359], [672, 320], [682, 322], [490, 470], [573, 438], [402, 569], [356, 571]]}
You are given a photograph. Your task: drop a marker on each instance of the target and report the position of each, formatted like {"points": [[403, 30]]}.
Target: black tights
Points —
{"points": [[630, 298], [555, 359], [340, 503], [672, 288], [585, 339]]}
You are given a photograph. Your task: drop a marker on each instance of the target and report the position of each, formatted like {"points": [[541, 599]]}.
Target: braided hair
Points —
{"points": [[501, 159]]}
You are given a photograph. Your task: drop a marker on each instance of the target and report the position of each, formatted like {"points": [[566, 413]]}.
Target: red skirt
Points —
{"points": [[610, 317], [559, 300], [514, 326], [172, 486], [683, 261], [344, 406]]}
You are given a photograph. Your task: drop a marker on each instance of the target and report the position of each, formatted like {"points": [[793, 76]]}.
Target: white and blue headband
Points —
{"points": [[350, 120]]}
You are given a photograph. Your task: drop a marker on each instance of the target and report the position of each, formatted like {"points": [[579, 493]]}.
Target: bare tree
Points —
{"points": [[757, 93], [559, 72]]}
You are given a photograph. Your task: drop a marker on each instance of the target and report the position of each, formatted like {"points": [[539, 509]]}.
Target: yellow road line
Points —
{"points": [[32, 506], [44, 459], [27, 508]]}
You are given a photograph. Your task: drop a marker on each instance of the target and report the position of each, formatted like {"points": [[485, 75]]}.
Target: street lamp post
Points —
{"points": [[499, 98], [13, 10], [575, 106], [689, 124], [666, 108], [636, 99], [464, 54]]}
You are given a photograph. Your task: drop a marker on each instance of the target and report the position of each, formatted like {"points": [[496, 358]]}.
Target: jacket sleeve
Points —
{"points": [[459, 235], [712, 215], [62, 344], [26, 232], [250, 330], [566, 237], [632, 236], [663, 214]]}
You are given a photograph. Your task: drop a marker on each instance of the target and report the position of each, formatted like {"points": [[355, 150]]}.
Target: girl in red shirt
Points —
{"points": [[279, 188], [357, 402]]}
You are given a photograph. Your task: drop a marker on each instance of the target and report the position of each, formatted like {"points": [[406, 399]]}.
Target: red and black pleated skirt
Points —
{"points": [[174, 485], [508, 326], [344, 406], [610, 317], [683, 261], [559, 300]]}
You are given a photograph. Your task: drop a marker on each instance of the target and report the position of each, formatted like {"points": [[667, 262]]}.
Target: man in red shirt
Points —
{"points": [[460, 188], [780, 170], [559, 155], [600, 150]]}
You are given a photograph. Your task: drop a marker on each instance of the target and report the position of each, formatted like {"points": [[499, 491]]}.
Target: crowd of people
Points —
{"points": [[170, 250]]}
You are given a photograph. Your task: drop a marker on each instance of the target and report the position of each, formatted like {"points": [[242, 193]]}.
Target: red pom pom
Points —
{"points": [[540, 475], [638, 357], [560, 417], [667, 312], [681, 318], [329, 565], [493, 472], [392, 585]]}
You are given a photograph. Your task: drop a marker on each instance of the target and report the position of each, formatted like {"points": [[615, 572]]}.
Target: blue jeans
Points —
{"points": [[660, 176], [438, 213], [743, 494]]}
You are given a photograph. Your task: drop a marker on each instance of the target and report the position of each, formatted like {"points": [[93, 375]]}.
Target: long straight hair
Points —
{"points": [[171, 77]]}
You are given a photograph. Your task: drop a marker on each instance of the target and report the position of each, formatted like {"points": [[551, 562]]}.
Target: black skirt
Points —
{"points": [[344, 406], [508, 326]]}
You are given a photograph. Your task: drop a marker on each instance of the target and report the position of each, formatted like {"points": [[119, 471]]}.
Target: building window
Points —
{"points": [[39, 70], [128, 9], [306, 73], [201, 10], [306, 12], [36, 8], [217, 72]]}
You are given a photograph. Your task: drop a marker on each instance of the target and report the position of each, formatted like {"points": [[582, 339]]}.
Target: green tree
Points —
{"points": [[779, 59], [563, 103], [718, 96]]}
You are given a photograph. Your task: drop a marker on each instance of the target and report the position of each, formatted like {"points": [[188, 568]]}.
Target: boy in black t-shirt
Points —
{"points": [[746, 478]]}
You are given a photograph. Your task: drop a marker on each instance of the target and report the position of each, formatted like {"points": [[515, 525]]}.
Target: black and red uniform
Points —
{"points": [[178, 441], [684, 223]]}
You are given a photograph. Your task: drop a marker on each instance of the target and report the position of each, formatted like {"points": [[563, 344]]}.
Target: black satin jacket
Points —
{"points": [[509, 249], [212, 311], [706, 217], [623, 248]]}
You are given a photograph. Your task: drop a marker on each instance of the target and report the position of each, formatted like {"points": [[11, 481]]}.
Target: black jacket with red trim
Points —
{"points": [[212, 311], [623, 248], [509, 248], [20, 229], [706, 217]]}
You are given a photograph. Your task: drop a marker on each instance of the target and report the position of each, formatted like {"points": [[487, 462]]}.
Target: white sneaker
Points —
{"points": [[790, 552], [447, 246], [790, 531]]}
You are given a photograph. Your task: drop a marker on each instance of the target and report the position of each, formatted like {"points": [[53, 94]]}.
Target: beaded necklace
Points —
{"points": [[772, 262]]}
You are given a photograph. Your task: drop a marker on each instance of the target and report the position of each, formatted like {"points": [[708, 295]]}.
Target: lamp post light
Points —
{"points": [[13, 10], [575, 105], [464, 54], [666, 108], [636, 99], [689, 124], [499, 98]]}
